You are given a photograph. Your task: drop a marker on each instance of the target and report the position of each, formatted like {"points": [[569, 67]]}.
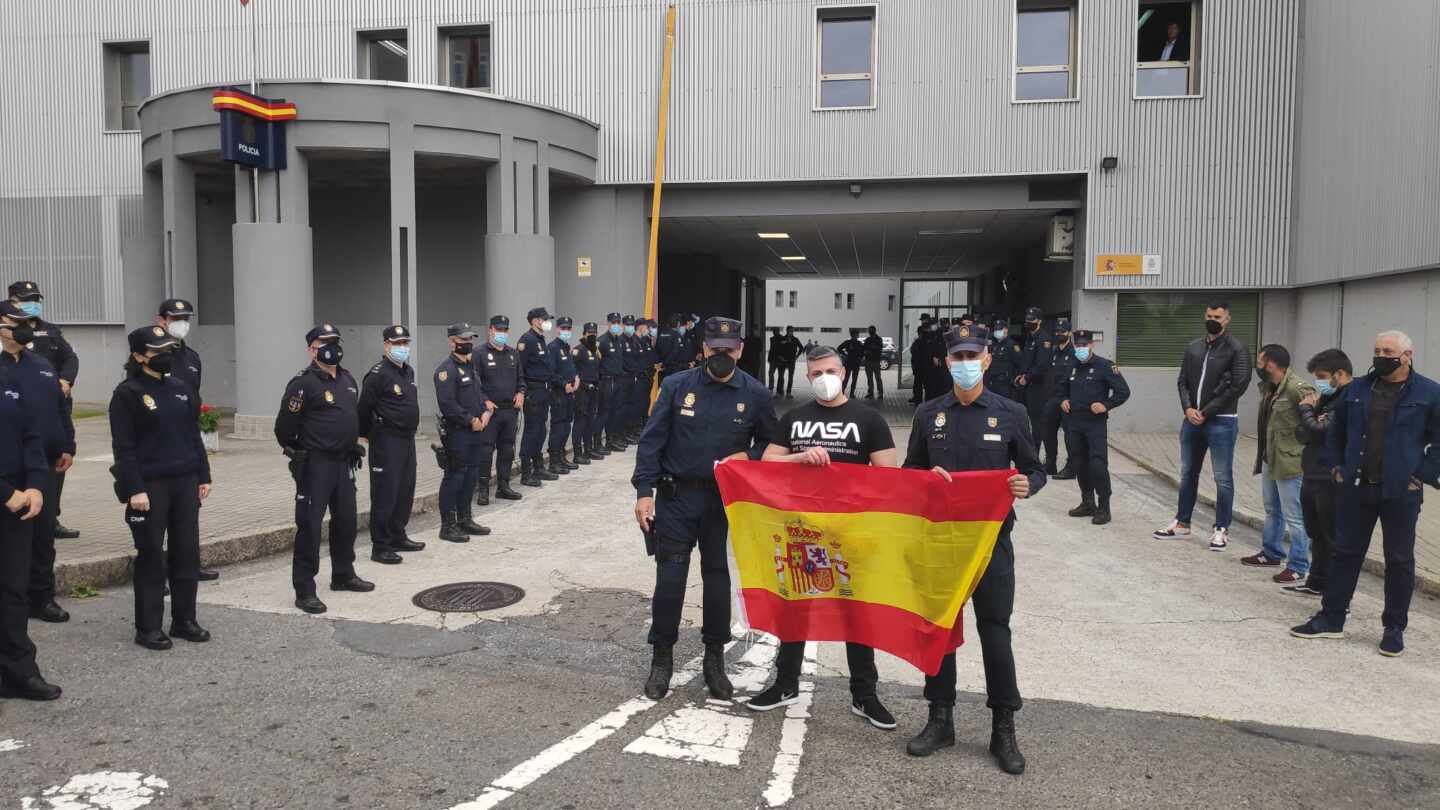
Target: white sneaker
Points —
{"points": [[1220, 540], [1171, 532]]}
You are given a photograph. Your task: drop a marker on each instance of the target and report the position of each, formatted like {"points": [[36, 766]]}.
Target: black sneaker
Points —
{"points": [[1317, 627], [873, 710], [1393, 642], [773, 698], [1301, 590]]}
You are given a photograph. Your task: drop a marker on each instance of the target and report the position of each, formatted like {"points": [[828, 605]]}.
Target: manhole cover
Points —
{"points": [[468, 597]]}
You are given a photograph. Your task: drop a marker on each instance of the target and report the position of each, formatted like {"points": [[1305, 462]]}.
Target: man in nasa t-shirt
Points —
{"points": [[832, 429]]}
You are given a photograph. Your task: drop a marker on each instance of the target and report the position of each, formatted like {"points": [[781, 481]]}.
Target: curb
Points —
{"points": [[1423, 583], [105, 572]]}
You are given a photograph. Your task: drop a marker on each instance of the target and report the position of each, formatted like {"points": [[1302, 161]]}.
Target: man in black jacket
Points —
{"points": [[874, 347], [1332, 371], [1214, 374]]}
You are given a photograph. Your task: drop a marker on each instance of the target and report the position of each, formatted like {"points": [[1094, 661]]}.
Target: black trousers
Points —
{"points": [[863, 675], [41, 589], [693, 515], [1359, 508], [167, 539], [392, 486], [993, 602], [1317, 504], [17, 652], [852, 378], [499, 437], [938, 382], [537, 419], [587, 406], [562, 417], [874, 380], [614, 393], [784, 376], [1045, 420], [1087, 447], [639, 400], [324, 483], [917, 383]]}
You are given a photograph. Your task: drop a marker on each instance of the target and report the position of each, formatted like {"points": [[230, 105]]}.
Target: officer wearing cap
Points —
{"points": [[613, 348], [461, 397], [562, 398], [646, 361], [705, 415], [1093, 389], [389, 412], [174, 317], [499, 369], [540, 372], [852, 357], [48, 412], [23, 475], [1052, 366], [47, 341], [318, 427], [162, 475], [1033, 340], [1004, 361], [937, 377], [630, 359], [670, 346], [919, 359], [587, 397], [694, 333], [970, 428]]}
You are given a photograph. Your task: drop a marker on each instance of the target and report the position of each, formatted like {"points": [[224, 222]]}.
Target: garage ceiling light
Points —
{"points": [[764, 235], [792, 258]]}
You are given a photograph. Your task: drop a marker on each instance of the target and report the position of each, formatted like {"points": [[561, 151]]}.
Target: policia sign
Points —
{"points": [[252, 129]]}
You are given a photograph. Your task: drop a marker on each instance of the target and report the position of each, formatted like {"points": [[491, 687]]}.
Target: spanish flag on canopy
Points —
{"points": [[879, 556]]}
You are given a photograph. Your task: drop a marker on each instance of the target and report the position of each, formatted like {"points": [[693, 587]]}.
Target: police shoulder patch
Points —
{"points": [[443, 375]]}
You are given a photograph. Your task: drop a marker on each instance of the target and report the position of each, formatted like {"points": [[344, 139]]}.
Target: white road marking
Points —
{"points": [[696, 734], [11, 745], [792, 737], [102, 790]]}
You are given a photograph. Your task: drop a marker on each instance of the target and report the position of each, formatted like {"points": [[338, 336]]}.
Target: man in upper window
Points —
{"points": [[1175, 48]]}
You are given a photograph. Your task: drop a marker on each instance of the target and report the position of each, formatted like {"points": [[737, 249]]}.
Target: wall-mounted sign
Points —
{"points": [[1128, 265], [1060, 240], [252, 129], [582, 267]]}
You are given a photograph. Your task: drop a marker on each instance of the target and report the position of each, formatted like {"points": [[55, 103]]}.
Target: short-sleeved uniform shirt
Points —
{"points": [[849, 432]]}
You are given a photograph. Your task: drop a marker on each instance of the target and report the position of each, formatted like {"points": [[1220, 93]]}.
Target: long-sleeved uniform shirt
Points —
{"points": [[319, 412], [499, 371], [22, 454], [155, 432], [42, 399], [389, 399], [459, 392], [535, 363]]}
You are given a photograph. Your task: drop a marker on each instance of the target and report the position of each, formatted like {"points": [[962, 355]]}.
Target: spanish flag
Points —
{"points": [[880, 556]]}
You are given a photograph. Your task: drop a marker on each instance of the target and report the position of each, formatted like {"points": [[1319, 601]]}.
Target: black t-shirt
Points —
{"points": [[1383, 397], [850, 432]]}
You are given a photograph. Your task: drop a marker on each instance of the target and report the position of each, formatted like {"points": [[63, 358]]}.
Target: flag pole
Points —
{"points": [[651, 282]]}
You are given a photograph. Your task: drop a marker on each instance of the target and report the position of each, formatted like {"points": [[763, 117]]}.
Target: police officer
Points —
{"points": [[852, 357], [613, 349], [504, 386], [1054, 366], [937, 377], [389, 412], [919, 360], [23, 475], [1033, 340], [971, 428], [48, 409], [49, 342], [562, 398], [461, 397], [1093, 389], [694, 334], [587, 396], [318, 426], [1005, 361], [704, 415], [539, 373], [174, 317], [162, 474], [631, 361], [670, 346], [649, 363]]}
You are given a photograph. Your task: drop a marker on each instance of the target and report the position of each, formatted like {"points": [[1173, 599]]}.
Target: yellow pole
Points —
{"points": [[651, 282]]}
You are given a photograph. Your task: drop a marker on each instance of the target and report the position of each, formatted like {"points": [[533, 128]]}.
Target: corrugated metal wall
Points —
{"points": [[1204, 182]]}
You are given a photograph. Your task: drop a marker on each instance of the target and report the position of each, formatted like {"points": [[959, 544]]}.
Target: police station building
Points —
{"points": [[1117, 161]]}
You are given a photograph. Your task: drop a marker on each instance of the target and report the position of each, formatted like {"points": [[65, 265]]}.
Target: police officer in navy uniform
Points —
{"points": [[162, 474], [389, 416], [539, 372], [647, 362], [613, 390], [174, 317], [499, 367], [461, 397], [1005, 361], [318, 427], [49, 342], [43, 400], [1053, 422], [587, 396], [705, 415], [1093, 389], [971, 428], [23, 475], [1033, 340], [562, 398], [630, 359], [671, 345]]}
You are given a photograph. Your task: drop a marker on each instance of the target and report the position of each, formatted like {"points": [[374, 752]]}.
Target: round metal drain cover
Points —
{"points": [[468, 597]]}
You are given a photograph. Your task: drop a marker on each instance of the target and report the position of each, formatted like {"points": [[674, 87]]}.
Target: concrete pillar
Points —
{"points": [[145, 277], [181, 279], [403, 282], [519, 251]]}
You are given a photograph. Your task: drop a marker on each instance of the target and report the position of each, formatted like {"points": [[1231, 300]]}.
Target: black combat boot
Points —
{"points": [[939, 732], [1050, 468], [450, 530], [715, 678], [558, 467], [1086, 507], [482, 492], [537, 469], [1066, 473], [578, 456], [662, 665], [597, 452], [566, 463], [467, 524], [504, 492], [1002, 743], [1102, 514], [527, 473]]}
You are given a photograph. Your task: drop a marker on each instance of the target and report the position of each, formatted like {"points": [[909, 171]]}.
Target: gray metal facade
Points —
{"points": [[1206, 182]]}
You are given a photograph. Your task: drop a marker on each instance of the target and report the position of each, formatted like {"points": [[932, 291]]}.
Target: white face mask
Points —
{"points": [[547, 326], [827, 387], [178, 329]]}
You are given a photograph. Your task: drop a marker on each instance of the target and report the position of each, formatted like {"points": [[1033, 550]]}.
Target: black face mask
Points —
{"points": [[161, 363], [719, 366], [1385, 366], [464, 349], [330, 354], [21, 334], [589, 341], [1214, 327]]}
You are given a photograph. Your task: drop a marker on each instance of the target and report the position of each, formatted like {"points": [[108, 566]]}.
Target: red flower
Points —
{"points": [[204, 408]]}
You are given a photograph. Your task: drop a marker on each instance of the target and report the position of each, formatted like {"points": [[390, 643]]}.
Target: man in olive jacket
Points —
{"points": [[1278, 463]]}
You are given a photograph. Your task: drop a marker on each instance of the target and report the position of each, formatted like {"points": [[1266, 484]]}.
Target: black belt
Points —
{"points": [[505, 404], [329, 455]]}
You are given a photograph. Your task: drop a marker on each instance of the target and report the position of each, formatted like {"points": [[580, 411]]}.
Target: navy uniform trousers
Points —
{"points": [[587, 404], [537, 416], [167, 538], [689, 515], [324, 482], [17, 652], [613, 398], [467, 453], [41, 588], [1086, 448], [562, 416], [392, 486], [499, 436], [993, 602]]}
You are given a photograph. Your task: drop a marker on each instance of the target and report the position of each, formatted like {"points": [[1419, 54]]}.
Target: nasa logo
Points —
{"points": [[825, 430]]}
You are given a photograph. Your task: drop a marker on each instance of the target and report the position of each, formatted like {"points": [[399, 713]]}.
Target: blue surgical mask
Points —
{"points": [[629, 330], [615, 329], [1001, 333], [967, 373], [1324, 387], [501, 338], [679, 330], [1082, 353], [30, 308], [565, 335], [399, 354]]}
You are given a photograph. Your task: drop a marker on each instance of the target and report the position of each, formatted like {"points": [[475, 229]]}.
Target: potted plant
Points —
{"points": [[210, 428]]}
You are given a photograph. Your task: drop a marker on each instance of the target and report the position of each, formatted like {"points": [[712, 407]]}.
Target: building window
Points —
{"points": [[837, 300], [794, 299], [127, 83], [1153, 329], [465, 56], [779, 298], [384, 56], [850, 300], [1167, 49], [845, 45], [829, 330], [1045, 45], [891, 305]]}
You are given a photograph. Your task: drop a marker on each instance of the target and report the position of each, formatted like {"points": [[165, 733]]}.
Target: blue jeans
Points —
{"points": [[1217, 435], [1283, 513]]}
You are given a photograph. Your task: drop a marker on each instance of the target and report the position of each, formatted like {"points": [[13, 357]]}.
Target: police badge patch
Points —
{"points": [[690, 400], [397, 389], [740, 407], [444, 375], [939, 420], [296, 403], [993, 421], [149, 401], [329, 397]]}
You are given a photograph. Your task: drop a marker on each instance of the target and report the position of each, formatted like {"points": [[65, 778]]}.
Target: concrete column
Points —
{"points": [[519, 256], [294, 186], [145, 277], [181, 278], [244, 196], [403, 283]]}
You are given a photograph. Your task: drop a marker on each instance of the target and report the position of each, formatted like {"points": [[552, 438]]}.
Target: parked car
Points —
{"points": [[888, 355]]}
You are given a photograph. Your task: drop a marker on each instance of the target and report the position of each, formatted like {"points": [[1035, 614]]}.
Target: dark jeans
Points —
{"points": [[1359, 509], [1086, 449], [863, 675], [1217, 436], [17, 652], [41, 589], [499, 437], [167, 539], [1317, 501], [993, 602], [392, 486], [693, 515], [326, 484]]}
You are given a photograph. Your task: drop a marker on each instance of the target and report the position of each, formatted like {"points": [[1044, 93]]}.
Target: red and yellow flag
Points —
{"points": [[878, 556]]}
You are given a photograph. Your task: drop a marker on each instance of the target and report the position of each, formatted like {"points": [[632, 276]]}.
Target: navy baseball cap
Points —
{"points": [[1082, 337], [396, 334], [1062, 325], [537, 312], [324, 331], [461, 330], [590, 328], [967, 338], [723, 333], [628, 320], [500, 322], [564, 322], [1002, 323], [1034, 314], [26, 291], [176, 308], [150, 337]]}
